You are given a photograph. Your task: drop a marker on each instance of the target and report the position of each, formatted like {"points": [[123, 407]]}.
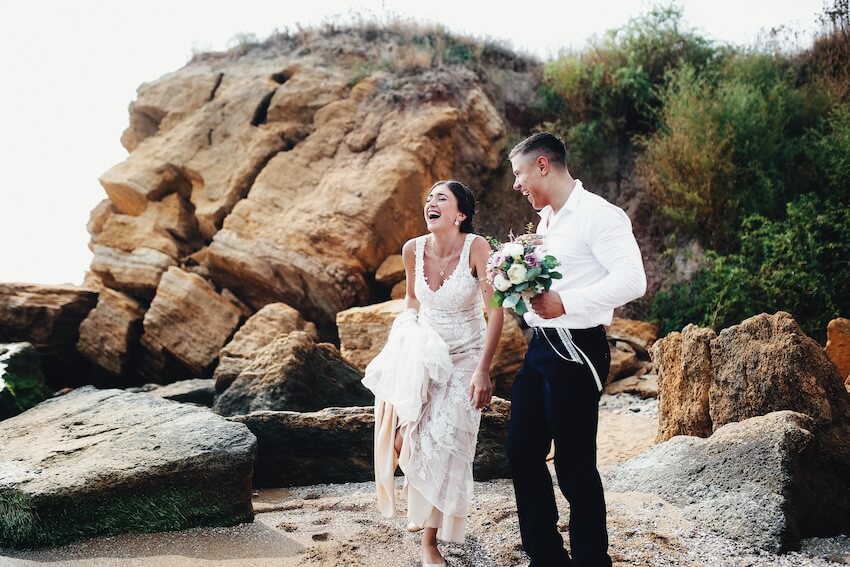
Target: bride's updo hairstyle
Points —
{"points": [[465, 202]]}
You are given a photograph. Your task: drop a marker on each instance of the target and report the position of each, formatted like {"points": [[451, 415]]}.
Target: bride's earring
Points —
{"points": [[457, 222]]}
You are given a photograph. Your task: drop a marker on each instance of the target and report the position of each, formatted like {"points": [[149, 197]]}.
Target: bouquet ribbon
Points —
{"points": [[574, 353]]}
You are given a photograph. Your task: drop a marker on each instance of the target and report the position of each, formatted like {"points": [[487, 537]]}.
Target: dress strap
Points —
{"points": [[420, 255], [464, 255]]}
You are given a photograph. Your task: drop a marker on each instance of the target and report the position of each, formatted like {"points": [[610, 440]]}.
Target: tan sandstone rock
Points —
{"points": [[261, 329], [838, 346], [624, 361], [187, 323], [391, 271], [360, 208], [684, 372], [399, 290], [214, 144], [645, 386], [136, 273], [110, 332], [168, 226], [639, 334]]}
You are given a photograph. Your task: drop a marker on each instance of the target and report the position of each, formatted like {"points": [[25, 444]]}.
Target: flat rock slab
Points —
{"points": [[746, 481], [105, 462]]}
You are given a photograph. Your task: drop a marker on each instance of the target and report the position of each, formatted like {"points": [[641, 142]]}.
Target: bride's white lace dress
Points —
{"points": [[441, 443]]}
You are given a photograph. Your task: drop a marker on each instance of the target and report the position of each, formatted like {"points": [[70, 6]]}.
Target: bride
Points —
{"points": [[445, 273]]}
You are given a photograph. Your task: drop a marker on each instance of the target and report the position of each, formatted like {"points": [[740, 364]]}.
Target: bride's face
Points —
{"points": [[441, 209]]}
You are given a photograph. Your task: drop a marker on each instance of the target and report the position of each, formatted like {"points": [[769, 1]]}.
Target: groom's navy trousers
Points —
{"points": [[554, 399]]}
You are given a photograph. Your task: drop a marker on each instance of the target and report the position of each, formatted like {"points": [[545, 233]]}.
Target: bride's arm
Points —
{"points": [[408, 255], [481, 388]]}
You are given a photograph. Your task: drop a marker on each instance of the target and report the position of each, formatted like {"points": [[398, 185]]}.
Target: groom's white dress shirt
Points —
{"points": [[600, 261]]}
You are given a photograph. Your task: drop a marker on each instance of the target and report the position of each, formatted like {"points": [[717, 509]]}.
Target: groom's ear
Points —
{"points": [[542, 164]]}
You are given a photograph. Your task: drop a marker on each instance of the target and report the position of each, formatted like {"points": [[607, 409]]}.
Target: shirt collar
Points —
{"points": [[571, 205]]}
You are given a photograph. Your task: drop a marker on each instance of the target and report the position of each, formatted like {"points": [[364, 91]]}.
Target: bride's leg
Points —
{"points": [[430, 553], [399, 439]]}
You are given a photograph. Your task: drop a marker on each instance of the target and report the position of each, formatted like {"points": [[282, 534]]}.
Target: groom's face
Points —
{"points": [[527, 179]]}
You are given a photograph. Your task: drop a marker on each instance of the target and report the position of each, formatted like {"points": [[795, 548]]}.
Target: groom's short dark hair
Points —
{"points": [[543, 143]]}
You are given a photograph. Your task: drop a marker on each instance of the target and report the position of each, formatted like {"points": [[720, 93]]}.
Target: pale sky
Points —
{"points": [[70, 68]]}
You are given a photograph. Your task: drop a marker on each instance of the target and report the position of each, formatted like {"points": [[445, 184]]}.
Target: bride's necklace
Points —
{"points": [[439, 265]]}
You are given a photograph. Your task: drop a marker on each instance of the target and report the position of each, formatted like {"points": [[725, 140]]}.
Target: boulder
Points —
{"points": [[684, 372], [269, 323], [363, 332], [335, 444], [105, 462], [391, 271], [759, 481], [639, 334], [644, 386], [294, 373], [838, 346], [624, 361], [110, 333], [21, 382], [49, 318], [186, 326], [765, 364], [198, 391]]}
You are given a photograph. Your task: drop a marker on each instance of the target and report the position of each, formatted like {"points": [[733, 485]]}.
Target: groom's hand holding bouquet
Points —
{"points": [[518, 271]]}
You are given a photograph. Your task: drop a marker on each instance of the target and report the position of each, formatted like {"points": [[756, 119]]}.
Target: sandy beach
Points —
{"points": [[338, 525]]}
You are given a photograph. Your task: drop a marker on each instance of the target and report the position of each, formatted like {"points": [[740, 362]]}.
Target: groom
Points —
{"points": [[555, 396]]}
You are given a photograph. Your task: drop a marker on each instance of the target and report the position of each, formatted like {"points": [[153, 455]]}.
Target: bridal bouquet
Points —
{"points": [[518, 271]]}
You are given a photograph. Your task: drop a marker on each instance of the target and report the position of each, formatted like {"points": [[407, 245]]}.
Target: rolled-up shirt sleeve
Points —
{"points": [[615, 248]]}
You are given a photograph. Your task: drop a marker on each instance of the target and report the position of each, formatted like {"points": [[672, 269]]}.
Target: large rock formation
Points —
{"points": [[49, 318], [758, 481], [294, 373], [283, 176], [104, 462]]}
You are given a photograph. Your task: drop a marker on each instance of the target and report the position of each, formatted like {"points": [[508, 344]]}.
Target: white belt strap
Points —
{"points": [[573, 351]]}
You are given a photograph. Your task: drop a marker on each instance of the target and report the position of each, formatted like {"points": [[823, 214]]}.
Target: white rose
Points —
{"points": [[501, 283], [516, 273], [513, 249]]}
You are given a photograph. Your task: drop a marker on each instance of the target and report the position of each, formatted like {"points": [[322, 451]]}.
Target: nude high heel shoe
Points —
{"points": [[413, 528]]}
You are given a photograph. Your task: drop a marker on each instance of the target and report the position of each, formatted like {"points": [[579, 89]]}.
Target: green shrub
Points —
{"points": [[828, 147], [730, 144], [603, 96], [800, 264]]}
